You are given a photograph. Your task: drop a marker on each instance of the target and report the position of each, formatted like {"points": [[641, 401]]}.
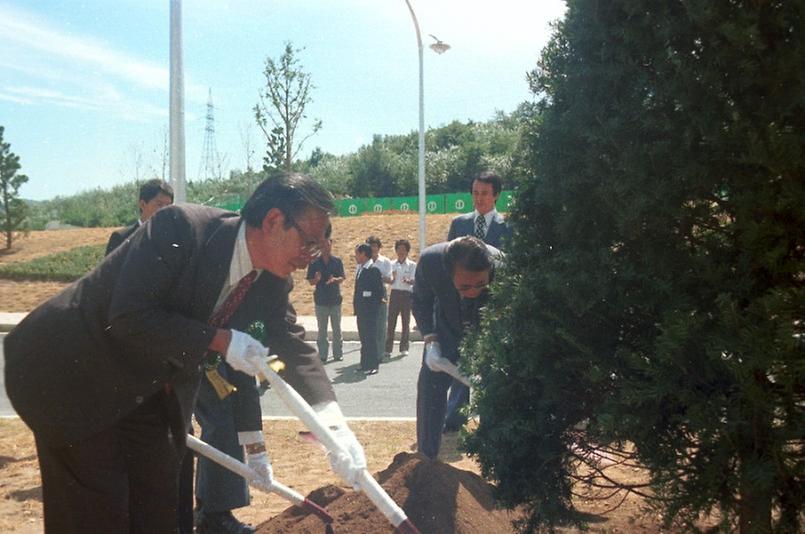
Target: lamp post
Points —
{"points": [[439, 47], [177, 161]]}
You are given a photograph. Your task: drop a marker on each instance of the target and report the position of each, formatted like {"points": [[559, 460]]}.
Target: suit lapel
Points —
{"points": [[214, 264]]}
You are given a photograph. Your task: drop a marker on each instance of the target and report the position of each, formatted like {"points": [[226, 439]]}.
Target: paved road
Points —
{"points": [[390, 393]]}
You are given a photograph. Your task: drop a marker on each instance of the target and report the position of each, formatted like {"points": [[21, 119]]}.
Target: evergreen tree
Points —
{"points": [[14, 209], [653, 302]]}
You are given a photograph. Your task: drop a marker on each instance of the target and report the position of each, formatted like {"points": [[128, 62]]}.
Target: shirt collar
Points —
{"points": [[241, 263], [490, 215]]}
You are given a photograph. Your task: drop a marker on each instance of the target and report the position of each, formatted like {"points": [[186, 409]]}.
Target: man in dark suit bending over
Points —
{"points": [[485, 223], [106, 372], [450, 287], [154, 194]]}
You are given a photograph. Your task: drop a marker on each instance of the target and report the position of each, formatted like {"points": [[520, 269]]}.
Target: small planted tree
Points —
{"points": [[14, 209], [653, 306], [281, 108]]}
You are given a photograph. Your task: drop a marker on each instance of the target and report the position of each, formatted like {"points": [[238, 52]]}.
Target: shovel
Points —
{"points": [[252, 477], [368, 485]]}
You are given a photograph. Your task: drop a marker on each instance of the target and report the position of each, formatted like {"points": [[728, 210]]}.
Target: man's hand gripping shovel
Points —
{"points": [[254, 479], [324, 435]]}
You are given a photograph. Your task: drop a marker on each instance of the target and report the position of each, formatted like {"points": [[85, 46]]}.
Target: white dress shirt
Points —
{"points": [[403, 271]]}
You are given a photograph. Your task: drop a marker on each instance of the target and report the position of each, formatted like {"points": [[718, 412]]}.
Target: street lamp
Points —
{"points": [[439, 47]]}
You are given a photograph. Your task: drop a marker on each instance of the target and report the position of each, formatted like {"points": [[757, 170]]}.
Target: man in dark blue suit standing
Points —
{"points": [[450, 287], [485, 223], [368, 297]]}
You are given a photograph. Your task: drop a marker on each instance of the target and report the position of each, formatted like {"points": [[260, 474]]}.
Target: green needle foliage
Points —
{"points": [[652, 307]]}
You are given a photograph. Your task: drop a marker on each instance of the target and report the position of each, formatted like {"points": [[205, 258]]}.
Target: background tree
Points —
{"points": [[281, 108], [652, 307], [14, 209]]}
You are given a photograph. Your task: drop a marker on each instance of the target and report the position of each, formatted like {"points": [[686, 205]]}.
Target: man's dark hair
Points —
{"points": [[469, 253], [374, 240], [365, 249], [152, 188], [292, 193], [489, 177], [403, 242]]}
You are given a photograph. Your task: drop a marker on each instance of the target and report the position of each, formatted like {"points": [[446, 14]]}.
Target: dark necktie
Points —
{"points": [[219, 319], [233, 300], [480, 227]]}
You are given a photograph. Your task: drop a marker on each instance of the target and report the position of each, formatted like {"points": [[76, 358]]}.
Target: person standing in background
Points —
{"points": [[402, 286], [154, 194], [383, 264], [326, 273], [484, 222], [368, 297]]}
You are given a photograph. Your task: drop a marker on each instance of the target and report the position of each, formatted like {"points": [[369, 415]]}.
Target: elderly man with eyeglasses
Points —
{"points": [[106, 373], [450, 287]]}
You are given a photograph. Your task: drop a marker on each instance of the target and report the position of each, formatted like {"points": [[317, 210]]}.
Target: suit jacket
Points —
{"points": [[436, 304], [138, 321], [369, 291], [497, 233], [119, 236]]}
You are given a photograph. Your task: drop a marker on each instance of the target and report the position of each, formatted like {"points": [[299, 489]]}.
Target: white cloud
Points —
{"points": [[58, 68], [28, 34]]}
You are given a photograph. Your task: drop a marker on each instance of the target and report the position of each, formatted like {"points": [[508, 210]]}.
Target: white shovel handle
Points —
{"points": [[301, 409], [239, 468], [452, 369]]}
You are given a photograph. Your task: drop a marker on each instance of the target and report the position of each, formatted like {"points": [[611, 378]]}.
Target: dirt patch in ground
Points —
{"points": [[22, 296], [433, 494]]}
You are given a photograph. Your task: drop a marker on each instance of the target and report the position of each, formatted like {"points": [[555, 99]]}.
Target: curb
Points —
{"points": [[349, 330]]}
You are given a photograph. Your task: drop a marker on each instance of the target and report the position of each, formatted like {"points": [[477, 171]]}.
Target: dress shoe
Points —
{"points": [[338, 358], [221, 523], [371, 372], [403, 353]]}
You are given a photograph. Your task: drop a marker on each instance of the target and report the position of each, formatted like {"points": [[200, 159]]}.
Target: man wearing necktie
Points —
{"points": [[106, 372], [486, 224]]}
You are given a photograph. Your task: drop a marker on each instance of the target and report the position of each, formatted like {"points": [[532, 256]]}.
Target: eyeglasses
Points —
{"points": [[310, 245], [467, 287]]}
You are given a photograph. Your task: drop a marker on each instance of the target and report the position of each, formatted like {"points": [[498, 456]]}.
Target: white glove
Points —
{"points": [[244, 352], [433, 357], [260, 463], [349, 460]]}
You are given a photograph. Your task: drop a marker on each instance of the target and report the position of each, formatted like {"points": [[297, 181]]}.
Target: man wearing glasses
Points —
{"points": [[106, 372], [450, 287]]}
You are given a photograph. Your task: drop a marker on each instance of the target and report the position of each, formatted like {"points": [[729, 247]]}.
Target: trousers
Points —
{"points": [[331, 314]]}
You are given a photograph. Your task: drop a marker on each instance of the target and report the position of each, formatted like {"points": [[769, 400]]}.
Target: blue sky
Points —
{"points": [[84, 85]]}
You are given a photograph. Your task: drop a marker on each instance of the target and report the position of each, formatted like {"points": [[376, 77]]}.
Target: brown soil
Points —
{"points": [[446, 496], [347, 232], [435, 496]]}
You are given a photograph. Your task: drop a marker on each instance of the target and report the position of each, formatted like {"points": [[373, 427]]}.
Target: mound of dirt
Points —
{"points": [[436, 497]]}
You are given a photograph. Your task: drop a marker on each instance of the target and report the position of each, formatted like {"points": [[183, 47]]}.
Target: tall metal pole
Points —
{"points": [[177, 158], [422, 200]]}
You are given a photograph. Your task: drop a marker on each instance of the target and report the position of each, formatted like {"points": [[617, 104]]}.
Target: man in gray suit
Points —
{"points": [[106, 372], [485, 223]]}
